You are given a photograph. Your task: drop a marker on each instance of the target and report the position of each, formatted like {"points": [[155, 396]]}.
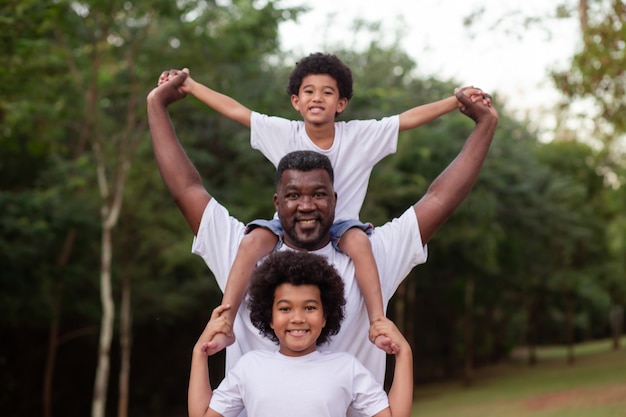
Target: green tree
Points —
{"points": [[77, 74], [596, 75]]}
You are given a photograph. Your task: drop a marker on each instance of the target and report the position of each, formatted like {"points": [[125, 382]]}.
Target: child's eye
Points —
{"points": [[310, 308]]}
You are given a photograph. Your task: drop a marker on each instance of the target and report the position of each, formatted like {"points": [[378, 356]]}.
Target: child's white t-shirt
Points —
{"points": [[319, 384], [357, 147]]}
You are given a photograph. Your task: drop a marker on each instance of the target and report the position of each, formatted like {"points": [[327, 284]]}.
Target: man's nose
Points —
{"points": [[306, 203]]}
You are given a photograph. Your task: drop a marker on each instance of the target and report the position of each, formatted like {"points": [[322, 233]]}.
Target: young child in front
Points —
{"points": [[296, 299], [320, 87]]}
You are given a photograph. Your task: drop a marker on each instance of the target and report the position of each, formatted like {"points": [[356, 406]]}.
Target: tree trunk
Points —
{"points": [[617, 324], [530, 331], [469, 332], [98, 405], [410, 296], [569, 326], [582, 16], [53, 336], [399, 312], [125, 346]]}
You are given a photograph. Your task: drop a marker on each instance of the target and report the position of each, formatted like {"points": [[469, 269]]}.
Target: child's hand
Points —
{"points": [[217, 325], [475, 94], [185, 88], [385, 335]]}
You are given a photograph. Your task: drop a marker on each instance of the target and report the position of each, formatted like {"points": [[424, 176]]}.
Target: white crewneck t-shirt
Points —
{"points": [[357, 147]]}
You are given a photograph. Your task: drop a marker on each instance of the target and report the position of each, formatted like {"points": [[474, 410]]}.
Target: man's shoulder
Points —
{"points": [[405, 224]]}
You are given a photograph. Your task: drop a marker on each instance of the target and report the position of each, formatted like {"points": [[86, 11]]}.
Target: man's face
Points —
{"points": [[305, 203]]}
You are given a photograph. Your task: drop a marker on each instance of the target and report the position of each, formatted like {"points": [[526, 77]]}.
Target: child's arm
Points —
{"points": [[219, 102], [356, 244], [401, 391], [254, 246], [425, 113], [200, 392]]}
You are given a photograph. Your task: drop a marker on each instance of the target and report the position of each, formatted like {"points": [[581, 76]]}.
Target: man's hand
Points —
{"points": [[169, 92], [218, 324], [476, 109]]}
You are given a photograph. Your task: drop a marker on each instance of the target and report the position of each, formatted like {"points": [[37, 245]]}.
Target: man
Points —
{"points": [[305, 202]]}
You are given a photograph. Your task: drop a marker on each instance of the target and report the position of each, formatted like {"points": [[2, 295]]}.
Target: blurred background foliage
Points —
{"points": [[536, 255]]}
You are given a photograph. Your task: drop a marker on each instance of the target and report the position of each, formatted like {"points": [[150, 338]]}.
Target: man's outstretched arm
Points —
{"points": [[180, 176], [453, 185]]}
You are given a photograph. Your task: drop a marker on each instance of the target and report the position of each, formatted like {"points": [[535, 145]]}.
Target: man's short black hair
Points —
{"points": [[304, 161], [296, 268], [320, 63]]}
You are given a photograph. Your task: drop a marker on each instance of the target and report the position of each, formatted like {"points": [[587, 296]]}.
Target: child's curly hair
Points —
{"points": [[319, 63], [296, 268]]}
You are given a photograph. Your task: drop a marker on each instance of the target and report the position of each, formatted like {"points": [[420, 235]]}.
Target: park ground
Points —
{"points": [[593, 386]]}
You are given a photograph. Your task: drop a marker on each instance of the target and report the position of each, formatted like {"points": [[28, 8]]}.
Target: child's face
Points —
{"points": [[297, 318], [318, 99]]}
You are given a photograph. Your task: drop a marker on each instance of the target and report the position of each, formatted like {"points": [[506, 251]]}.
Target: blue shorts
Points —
{"points": [[337, 230]]}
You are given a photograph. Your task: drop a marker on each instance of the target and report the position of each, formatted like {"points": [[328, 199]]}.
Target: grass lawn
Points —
{"points": [[595, 385]]}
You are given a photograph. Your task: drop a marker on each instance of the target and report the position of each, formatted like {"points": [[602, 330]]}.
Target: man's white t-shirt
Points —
{"points": [[358, 146], [397, 248], [320, 384]]}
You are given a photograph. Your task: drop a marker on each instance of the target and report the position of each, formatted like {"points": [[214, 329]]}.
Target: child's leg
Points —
{"points": [[356, 244], [256, 244]]}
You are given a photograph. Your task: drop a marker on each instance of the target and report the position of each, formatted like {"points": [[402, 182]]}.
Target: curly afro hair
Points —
{"points": [[296, 268], [319, 63]]}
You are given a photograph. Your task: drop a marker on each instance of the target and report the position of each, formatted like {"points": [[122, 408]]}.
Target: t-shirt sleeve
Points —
{"points": [[271, 135], [368, 396], [373, 139], [218, 240], [227, 398], [398, 248]]}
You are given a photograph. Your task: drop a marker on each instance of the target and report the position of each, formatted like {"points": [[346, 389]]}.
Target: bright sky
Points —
{"points": [[515, 65]]}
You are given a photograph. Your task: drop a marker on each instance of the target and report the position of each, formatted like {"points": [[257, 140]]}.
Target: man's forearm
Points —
{"points": [[176, 169], [457, 180], [179, 175], [453, 185]]}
